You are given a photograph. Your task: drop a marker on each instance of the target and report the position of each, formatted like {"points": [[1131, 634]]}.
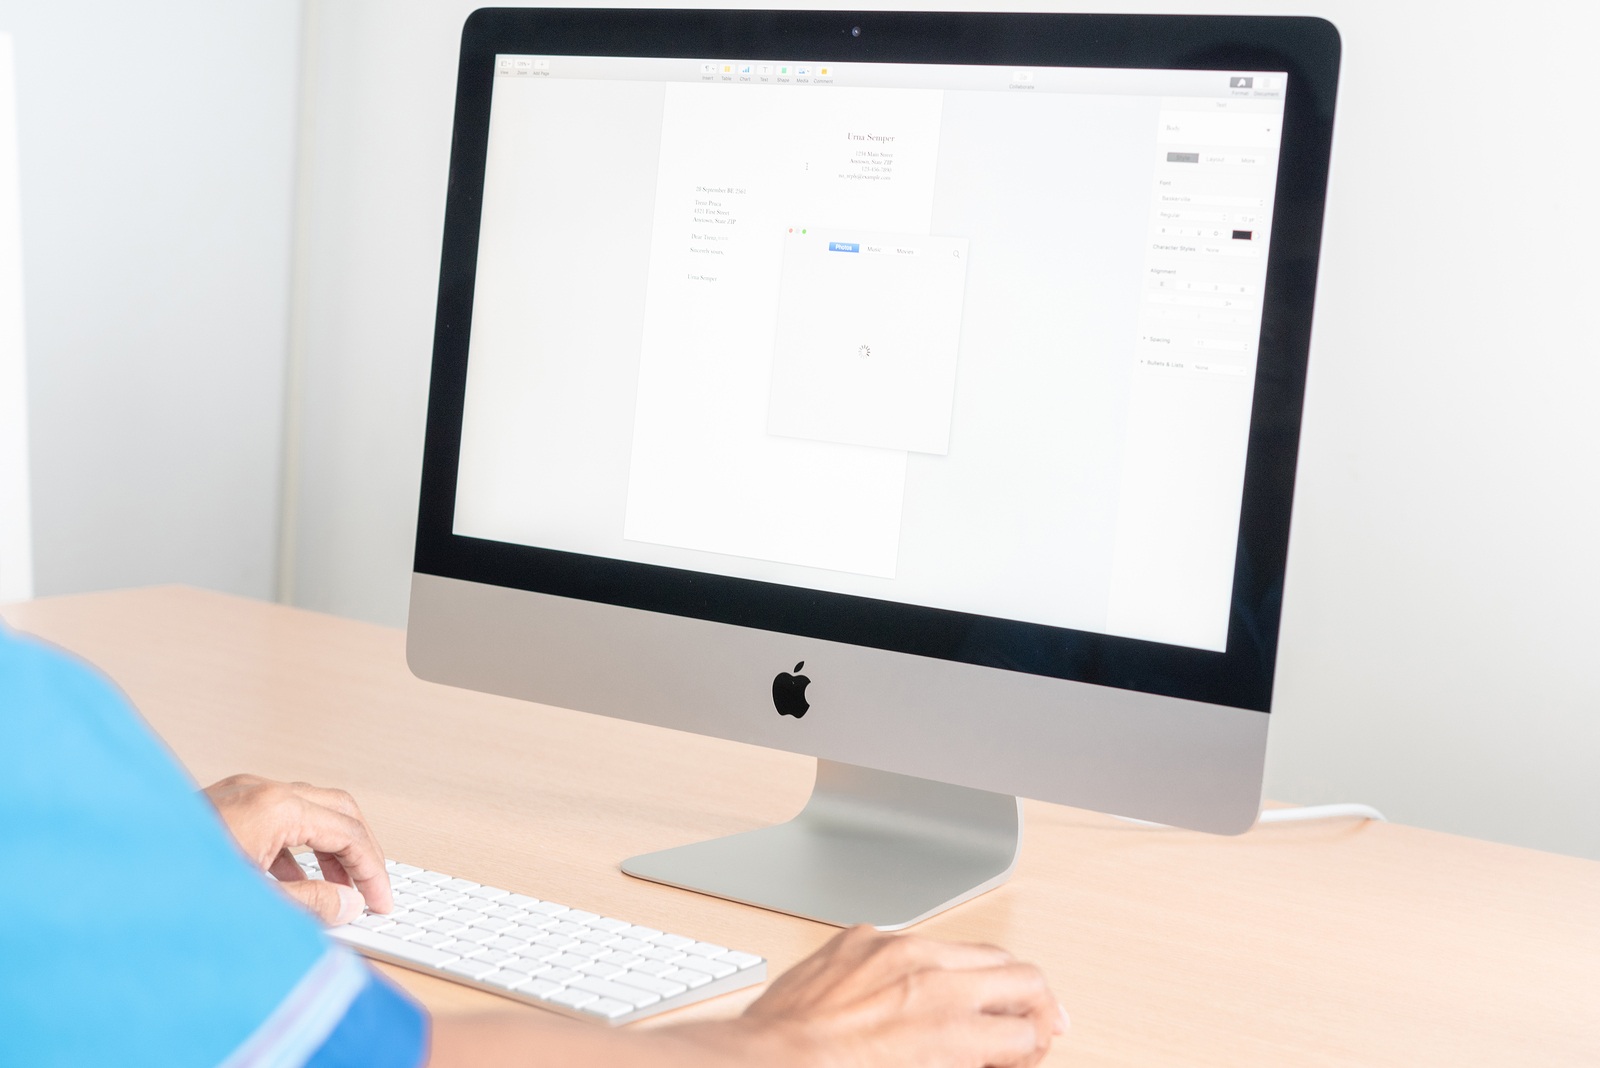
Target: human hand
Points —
{"points": [[868, 998], [268, 818]]}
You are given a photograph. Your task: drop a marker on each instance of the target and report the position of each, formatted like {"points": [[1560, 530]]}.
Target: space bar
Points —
{"points": [[361, 938]]}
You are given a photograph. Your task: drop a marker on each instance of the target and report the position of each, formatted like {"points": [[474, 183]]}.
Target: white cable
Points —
{"points": [[1294, 815], [1321, 812]]}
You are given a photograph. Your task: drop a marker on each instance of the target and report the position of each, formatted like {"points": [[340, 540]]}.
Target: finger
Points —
{"points": [[1015, 990], [332, 870], [285, 868], [332, 903], [339, 801], [351, 847], [1007, 1041]]}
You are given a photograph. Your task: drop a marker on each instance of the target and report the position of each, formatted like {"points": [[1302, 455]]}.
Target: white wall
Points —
{"points": [[16, 514], [1438, 631], [157, 162]]}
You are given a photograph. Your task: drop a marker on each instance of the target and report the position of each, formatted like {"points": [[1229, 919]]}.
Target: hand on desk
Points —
{"points": [[267, 818], [871, 998]]}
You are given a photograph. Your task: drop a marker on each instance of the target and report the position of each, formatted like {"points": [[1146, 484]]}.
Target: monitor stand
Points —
{"points": [[869, 847]]}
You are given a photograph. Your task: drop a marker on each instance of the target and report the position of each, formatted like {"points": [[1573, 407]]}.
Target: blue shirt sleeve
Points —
{"points": [[132, 930]]}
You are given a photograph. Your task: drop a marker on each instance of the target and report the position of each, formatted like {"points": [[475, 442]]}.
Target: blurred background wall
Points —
{"points": [[157, 149]]}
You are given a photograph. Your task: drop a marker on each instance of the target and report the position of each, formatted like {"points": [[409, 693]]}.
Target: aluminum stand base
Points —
{"points": [[869, 847]]}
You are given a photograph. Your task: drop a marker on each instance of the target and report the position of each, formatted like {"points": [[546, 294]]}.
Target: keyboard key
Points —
{"points": [[402, 930], [492, 923], [705, 949], [431, 938], [536, 955], [609, 923], [568, 960], [373, 921], [573, 999], [524, 932], [687, 976], [539, 987], [443, 926], [665, 987], [498, 956], [720, 969], [588, 950], [487, 893], [432, 878], [461, 948], [472, 969], [545, 908], [469, 916], [481, 935], [449, 897], [510, 945], [605, 988], [580, 916], [507, 978], [661, 953], [629, 945], [555, 941], [602, 971], [520, 901], [652, 967], [559, 975], [535, 952], [383, 942], [435, 908], [459, 884], [627, 960], [643, 934], [593, 937], [396, 868], [504, 912], [741, 960], [610, 1008]]}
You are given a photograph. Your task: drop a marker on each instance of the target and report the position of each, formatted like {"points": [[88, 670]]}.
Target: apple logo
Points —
{"points": [[789, 692]]}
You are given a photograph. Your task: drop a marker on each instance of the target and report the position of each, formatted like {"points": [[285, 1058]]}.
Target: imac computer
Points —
{"points": [[917, 392]]}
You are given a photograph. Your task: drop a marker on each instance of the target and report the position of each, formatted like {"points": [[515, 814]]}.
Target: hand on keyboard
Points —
{"points": [[266, 818]]}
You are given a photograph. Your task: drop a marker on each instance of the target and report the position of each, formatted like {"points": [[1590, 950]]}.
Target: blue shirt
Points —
{"points": [[132, 930]]}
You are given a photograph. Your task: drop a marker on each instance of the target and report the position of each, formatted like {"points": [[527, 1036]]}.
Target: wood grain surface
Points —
{"points": [[1300, 944]]}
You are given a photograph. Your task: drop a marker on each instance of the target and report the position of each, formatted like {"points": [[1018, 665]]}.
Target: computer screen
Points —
{"points": [[966, 337], [917, 392]]}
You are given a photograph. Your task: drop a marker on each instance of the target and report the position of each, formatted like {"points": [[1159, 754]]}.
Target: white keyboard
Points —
{"points": [[558, 958]]}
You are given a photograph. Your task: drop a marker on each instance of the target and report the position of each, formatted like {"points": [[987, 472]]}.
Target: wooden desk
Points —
{"points": [[1321, 943]]}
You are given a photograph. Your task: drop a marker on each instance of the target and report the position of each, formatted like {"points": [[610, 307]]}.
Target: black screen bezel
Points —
{"points": [[1242, 676]]}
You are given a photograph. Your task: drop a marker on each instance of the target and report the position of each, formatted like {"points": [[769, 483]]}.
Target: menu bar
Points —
{"points": [[1265, 86]]}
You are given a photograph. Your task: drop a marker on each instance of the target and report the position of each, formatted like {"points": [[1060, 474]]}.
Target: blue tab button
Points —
{"points": [[843, 246]]}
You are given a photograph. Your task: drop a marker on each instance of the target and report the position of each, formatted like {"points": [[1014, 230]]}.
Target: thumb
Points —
{"points": [[332, 903]]}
